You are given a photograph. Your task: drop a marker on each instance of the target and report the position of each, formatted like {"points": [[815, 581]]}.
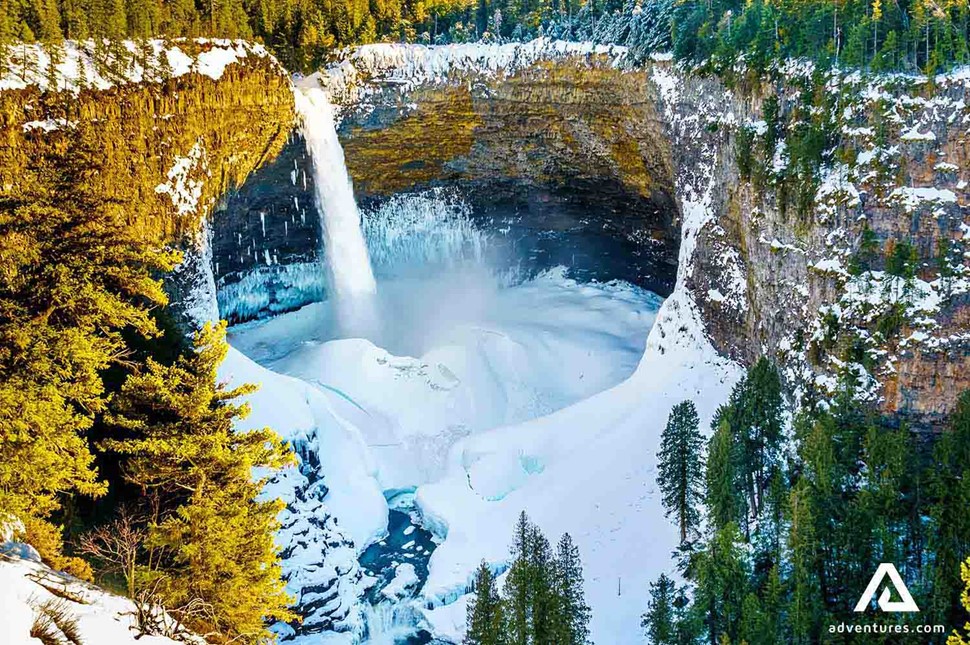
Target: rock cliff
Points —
{"points": [[573, 147], [177, 127], [577, 142]]}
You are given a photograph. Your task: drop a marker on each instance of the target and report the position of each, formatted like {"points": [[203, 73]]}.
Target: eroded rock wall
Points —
{"points": [[795, 283], [609, 159], [167, 149], [581, 142], [573, 147]]}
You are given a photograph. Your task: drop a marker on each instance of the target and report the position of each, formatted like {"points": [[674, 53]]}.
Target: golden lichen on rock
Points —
{"points": [[417, 147]]}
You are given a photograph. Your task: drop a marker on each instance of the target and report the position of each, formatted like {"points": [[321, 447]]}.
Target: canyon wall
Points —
{"points": [[567, 144], [558, 152], [169, 142], [578, 141], [571, 147], [807, 267]]}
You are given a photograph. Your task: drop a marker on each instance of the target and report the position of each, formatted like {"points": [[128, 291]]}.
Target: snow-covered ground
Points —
{"points": [[32, 594], [515, 398], [75, 65], [357, 72], [525, 408], [588, 470], [487, 398], [469, 355]]}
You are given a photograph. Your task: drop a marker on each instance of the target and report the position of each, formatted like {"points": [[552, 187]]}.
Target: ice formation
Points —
{"points": [[483, 398]]}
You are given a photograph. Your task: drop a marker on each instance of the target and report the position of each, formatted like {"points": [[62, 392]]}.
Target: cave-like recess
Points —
{"points": [[571, 171]]}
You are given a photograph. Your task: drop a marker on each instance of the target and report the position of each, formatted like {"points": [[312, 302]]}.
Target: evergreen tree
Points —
{"points": [[212, 538], [949, 488], [73, 276], [757, 422], [761, 622], [721, 576], [571, 615], [804, 607], [517, 591], [485, 616], [543, 599], [681, 467], [540, 584], [724, 503], [659, 621], [957, 638]]}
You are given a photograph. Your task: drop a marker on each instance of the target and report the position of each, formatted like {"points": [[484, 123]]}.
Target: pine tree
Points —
{"points": [[721, 576], [867, 252], [758, 418], [761, 614], [571, 614], [541, 591], [517, 590], [681, 467], [659, 621], [804, 610], [948, 481], [956, 638], [543, 598], [213, 539], [485, 618], [73, 276], [724, 502]]}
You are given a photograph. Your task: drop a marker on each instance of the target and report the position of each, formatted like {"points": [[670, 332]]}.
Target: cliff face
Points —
{"points": [[169, 146], [563, 152], [609, 163], [866, 278], [573, 146], [776, 266], [266, 239]]}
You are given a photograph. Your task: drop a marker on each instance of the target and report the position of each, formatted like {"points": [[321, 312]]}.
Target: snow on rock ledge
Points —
{"points": [[87, 64], [351, 79]]}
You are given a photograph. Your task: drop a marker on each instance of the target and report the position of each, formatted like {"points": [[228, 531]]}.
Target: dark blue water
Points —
{"points": [[406, 543]]}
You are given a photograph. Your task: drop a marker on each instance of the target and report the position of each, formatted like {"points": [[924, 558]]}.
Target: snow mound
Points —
{"points": [[461, 357], [589, 470], [382, 421], [29, 589]]}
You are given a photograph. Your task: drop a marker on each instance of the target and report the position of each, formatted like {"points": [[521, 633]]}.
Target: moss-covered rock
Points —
{"points": [[240, 120]]}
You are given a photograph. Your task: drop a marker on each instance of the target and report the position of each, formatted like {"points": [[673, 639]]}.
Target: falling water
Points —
{"points": [[348, 265]]}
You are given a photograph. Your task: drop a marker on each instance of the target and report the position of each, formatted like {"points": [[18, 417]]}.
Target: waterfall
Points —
{"points": [[392, 623], [348, 265]]}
